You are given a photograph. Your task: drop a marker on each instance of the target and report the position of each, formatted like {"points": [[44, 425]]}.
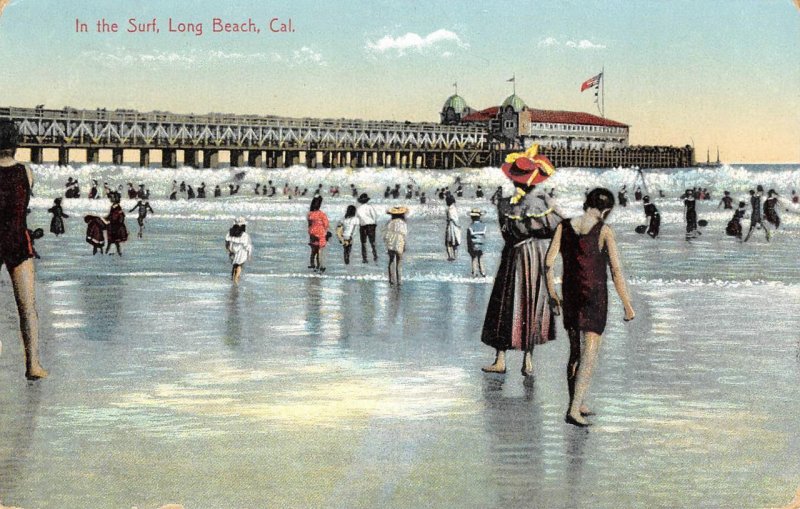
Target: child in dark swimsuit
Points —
{"points": [[16, 249], [587, 247]]}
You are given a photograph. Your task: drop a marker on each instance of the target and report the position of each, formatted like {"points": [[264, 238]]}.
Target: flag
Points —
{"points": [[514, 79], [592, 82]]}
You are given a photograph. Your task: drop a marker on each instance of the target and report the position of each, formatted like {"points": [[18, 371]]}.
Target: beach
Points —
{"points": [[169, 384]]}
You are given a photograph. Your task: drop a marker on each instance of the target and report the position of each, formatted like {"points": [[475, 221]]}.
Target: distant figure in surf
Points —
{"points": [[452, 232], [95, 226], [131, 191], [651, 212], [637, 195], [345, 231], [497, 196], [318, 234], [239, 247], [690, 214], [93, 194], [201, 191], [189, 193], [476, 236], [142, 207], [217, 191], [117, 232], [588, 250], [734, 227], [367, 219], [57, 223], [771, 209], [726, 202], [394, 237], [173, 194], [756, 219], [622, 196], [479, 192]]}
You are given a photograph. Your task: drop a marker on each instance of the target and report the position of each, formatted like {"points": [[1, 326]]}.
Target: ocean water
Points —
{"points": [[168, 384]]}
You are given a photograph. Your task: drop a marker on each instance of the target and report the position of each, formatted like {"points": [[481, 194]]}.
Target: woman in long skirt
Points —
{"points": [[518, 315]]}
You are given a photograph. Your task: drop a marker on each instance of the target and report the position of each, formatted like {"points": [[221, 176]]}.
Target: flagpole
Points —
{"points": [[603, 99]]}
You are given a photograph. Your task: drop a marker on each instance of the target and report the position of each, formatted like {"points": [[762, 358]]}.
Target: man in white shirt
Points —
{"points": [[367, 219]]}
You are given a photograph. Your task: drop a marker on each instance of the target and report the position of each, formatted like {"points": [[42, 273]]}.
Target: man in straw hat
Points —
{"points": [[518, 315]]}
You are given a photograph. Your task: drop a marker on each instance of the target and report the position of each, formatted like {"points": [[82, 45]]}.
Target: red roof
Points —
{"points": [[548, 116], [572, 117], [483, 115]]}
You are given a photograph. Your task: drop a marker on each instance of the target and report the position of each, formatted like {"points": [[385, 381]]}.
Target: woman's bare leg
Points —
{"points": [[23, 280], [573, 362], [583, 377], [236, 274]]}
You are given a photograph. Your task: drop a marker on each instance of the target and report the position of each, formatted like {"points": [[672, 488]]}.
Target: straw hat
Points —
{"points": [[396, 211], [476, 213], [240, 221]]}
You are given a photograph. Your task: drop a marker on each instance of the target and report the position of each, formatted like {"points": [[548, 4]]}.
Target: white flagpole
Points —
{"points": [[603, 93]]}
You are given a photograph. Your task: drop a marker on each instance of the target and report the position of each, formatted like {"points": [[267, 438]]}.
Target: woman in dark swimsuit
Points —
{"points": [[57, 223], [117, 231], [587, 247], [16, 249], [734, 228], [691, 214], [771, 209]]}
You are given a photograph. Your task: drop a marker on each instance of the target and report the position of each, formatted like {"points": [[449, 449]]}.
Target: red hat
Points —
{"points": [[529, 170]]}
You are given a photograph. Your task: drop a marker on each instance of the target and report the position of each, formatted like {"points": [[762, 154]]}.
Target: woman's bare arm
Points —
{"points": [[550, 262], [607, 239]]}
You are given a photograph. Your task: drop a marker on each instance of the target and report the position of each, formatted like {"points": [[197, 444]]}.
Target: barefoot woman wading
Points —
{"points": [[587, 247], [16, 251], [518, 315]]}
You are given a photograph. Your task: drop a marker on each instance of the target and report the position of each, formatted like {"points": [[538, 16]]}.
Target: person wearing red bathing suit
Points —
{"points": [[16, 248]]}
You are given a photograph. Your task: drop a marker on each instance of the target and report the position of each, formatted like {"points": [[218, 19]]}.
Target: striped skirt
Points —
{"points": [[518, 315]]}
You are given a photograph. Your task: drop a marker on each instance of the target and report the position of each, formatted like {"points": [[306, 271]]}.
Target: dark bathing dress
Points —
{"points": [[117, 231], [518, 315], [15, 193], [691, 215], [585, 301]]}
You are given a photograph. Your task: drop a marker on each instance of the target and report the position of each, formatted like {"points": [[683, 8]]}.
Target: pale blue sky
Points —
{"points": [[718, 72]]}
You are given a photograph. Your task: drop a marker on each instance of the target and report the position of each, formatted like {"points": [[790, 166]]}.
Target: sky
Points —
{"points": [[713, 73]]}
